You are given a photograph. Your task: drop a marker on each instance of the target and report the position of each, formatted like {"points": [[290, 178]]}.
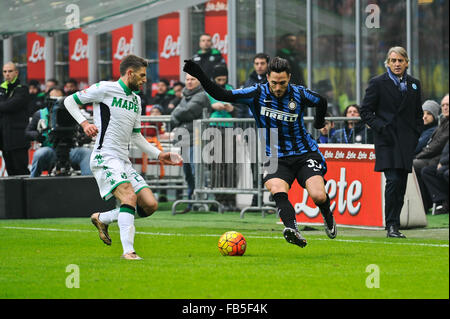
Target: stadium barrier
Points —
{"points": [[50, 197]]}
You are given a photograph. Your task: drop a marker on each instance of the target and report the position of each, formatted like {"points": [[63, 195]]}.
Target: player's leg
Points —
{"points": [[279, 189], [128, 199], [146, 202], [315, 185]]}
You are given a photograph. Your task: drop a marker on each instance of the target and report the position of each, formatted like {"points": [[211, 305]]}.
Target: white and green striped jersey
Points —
{"points": [[117, 114]]}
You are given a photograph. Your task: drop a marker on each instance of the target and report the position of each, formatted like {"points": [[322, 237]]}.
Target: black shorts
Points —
{"points": [[300, 167]]}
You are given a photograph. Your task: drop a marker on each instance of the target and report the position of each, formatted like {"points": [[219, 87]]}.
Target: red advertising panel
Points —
{"points": [[122, 45], [35, 56], [169, 46], [353, 186], [78, 60], [216, 25]]}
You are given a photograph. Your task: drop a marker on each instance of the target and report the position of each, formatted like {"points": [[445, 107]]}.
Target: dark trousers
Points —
{"points": [[16, 162], [436, 184], [188, 169], [394, 195]]}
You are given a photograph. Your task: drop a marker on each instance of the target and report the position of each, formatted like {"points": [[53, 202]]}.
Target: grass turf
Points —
{"points": [[181, 260]]}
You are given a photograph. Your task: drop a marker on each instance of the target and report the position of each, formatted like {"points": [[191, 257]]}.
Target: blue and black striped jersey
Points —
{"points": [[282, 118]]}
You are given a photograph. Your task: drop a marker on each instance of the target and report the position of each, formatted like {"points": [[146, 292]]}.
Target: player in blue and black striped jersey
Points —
{"points": [[278, 107]]}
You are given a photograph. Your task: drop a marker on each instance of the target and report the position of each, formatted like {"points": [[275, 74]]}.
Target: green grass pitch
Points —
{"points": [[182, 261]]}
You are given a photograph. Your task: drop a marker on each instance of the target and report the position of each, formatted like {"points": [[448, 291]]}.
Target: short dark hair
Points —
{"points": [[261, 55], [34, 83], [52, 80], [178, 83], [73, 81], [356, 106], [165, 81], [279, 65], [132, 61]]}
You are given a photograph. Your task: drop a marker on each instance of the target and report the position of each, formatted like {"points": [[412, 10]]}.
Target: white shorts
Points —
{"points": [[110, 172]]}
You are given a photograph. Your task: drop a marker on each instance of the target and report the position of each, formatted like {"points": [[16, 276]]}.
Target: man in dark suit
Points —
{"points": [[392, 107], [14, 100]]}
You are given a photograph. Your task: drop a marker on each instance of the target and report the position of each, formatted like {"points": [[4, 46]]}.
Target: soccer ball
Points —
{"points": [[232, 243]]}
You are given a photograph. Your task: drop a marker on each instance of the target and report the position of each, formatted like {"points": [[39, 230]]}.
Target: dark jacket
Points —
{"points": [[14, 101], [163, 100], [396, 119], [425, 136], [208, 60], [253, 79], [443, 170], [436, 143], [190, 108]]}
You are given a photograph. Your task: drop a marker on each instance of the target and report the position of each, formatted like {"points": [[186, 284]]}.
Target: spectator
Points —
{"points": [[431, 153], [327, 131], [435, 179], [207, 57], [14, 101], [259, 74], [70, 87], [156, 110], [191, 108], [38, 129], [162, 97], [392, 107], [36, 97], [49, 84], [222, 173], [354, 131], [178, 95], [289, 52], [430, 121]]}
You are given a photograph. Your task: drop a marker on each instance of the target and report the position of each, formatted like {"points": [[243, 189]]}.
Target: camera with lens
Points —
{"points": [[64, 134]]}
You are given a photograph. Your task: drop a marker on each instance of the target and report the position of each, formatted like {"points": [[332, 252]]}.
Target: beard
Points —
{"points": [[133, 84]]}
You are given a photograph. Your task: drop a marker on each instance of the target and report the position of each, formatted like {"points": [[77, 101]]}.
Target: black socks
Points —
{"points": [[325, 207], [285, 210]]}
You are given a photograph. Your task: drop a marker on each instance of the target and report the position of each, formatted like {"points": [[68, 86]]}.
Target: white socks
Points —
{"points": [[109, 216], [127, 230], [125, 219]]}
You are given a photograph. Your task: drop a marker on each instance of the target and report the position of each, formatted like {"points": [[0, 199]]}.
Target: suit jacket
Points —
{"points": [[14, 100], [396, 120]]}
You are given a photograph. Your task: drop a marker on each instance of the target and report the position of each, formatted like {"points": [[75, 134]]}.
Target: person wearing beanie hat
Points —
{"points": [[220, 70], [430, 120]]}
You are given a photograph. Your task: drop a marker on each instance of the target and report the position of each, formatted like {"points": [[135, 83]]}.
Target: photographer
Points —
{"points": [[40, 129]]}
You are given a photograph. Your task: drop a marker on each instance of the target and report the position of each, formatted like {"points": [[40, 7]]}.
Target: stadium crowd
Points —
{"points": [[25, 109]]}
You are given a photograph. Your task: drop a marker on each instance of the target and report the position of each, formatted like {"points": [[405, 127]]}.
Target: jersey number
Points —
{"points": [[316, 166]]}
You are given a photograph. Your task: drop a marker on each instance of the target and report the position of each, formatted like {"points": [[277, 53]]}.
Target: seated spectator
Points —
{"points": [[177, 90], [162, 97], [431, 153], [354, 131], [435, 179], [159, 132], [430, 120], [38, 129], [327, 131]]}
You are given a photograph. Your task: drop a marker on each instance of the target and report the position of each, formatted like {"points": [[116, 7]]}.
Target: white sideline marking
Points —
{"points": [[248, 236]]}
